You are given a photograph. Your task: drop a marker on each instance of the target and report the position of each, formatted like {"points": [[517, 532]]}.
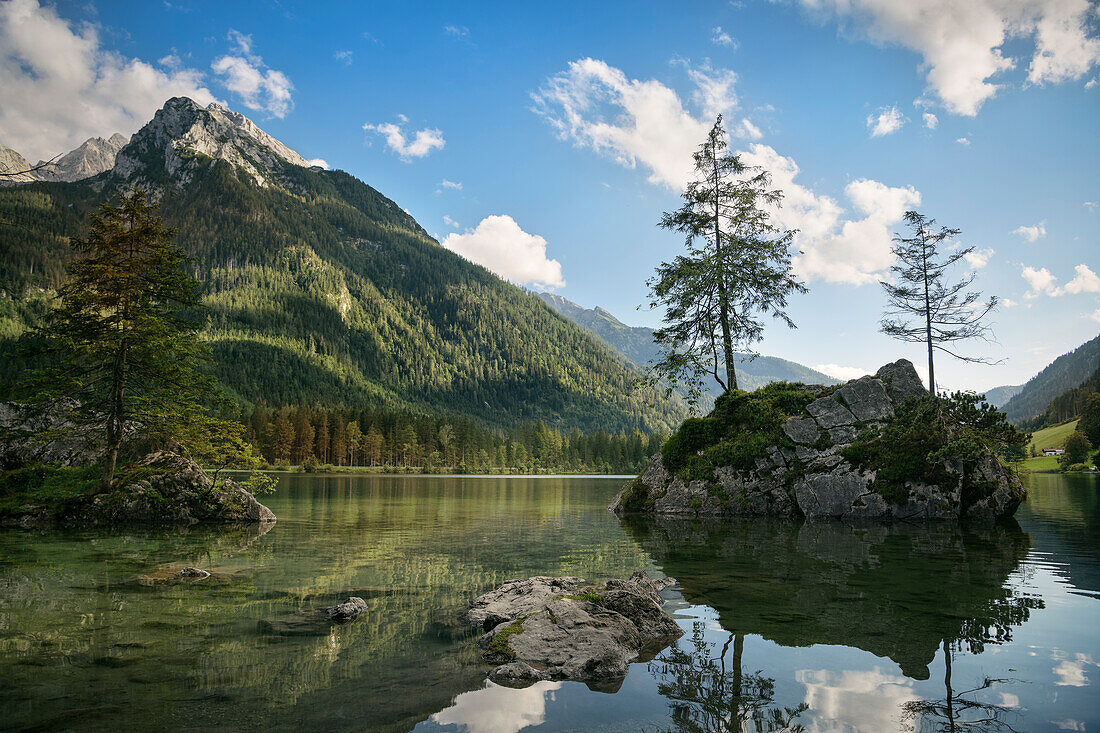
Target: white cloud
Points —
{"points": [[453, 185], [496, 709], [930, 120], [634, 122], [344, 56], [721, 38], [450, 222], [963, 44], [1008, 303], [843, 373], [1031, 233], [1039, 281], [319, 162], [421, 143], [713, 92], [1086, 281], [979, 258], [885, 121], [458, 31], [498, 244], [1095, 315], [747, 130], [597, 106], [1092, 82], [60, 86], [964, 141], [1091, 205], [258, 86]]}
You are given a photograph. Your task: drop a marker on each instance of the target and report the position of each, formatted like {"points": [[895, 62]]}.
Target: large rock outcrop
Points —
{"points": [[807, 474], [545, 628]]}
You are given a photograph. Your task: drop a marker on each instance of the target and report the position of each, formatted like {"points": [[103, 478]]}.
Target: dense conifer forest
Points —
{"points": [[321, 292]]}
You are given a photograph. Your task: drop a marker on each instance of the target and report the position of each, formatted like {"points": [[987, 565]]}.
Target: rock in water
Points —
{"points": [[196, 573], [809, 472], [546, 628], [349, 610]]}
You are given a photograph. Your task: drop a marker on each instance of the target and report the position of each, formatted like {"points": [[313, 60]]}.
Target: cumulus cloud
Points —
{"points": [[1039, 281], [964, 141], [636, 122], [319, 162], [1091, 205], [1095, 315], [963, 45], [633, 122], [418, 145], [747, 130], [1031, 233], [979, 258], [930, 120], [501, 246], [721, 38], [885, 121], [60, 86], [843, 373], [453, 185], [258, 86], [1085, 281]]}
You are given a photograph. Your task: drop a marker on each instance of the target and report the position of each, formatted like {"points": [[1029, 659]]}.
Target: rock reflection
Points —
{"points": [[896, 591]]}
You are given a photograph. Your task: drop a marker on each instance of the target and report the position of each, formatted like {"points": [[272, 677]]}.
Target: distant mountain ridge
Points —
{"points": [[1065, 373], [635, 343], [998, 396], [321, 290], [94, 156]]}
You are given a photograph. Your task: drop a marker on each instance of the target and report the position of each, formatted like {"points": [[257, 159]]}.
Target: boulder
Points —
{"points": [[901, 381], [586, 633], [802, 430], [195, 573]]}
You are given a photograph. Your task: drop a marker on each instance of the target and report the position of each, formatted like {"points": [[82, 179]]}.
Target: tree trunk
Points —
{"points": [[723, 300], [927, 315], [115, 417]]}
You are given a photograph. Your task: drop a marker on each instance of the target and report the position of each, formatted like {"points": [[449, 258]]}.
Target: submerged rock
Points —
{"points": [[196, 573], [546, 628], [349, 610], [808, 473]]}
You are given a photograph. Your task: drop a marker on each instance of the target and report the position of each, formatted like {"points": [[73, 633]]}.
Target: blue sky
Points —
{"points": [[570, 126]]}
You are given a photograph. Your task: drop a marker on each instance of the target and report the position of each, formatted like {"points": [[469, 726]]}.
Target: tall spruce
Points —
{"points": [[121, 344], [922, 306], [737, 267]]}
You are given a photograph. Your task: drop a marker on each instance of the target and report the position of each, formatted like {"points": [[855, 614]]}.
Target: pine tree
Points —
{"points": [[922, 307], [737, 267], [123, 340]]}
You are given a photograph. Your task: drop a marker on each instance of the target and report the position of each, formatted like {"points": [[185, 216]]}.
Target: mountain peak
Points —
{"points": [[183, 129]]}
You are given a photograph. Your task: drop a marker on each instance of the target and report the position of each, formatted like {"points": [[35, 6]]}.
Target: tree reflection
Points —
{"points": [[957, 711], [705, 697]]}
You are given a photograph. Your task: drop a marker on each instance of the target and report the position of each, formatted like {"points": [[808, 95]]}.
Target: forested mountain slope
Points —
{"points": [[1066, 372], [636, 344], [321, 290]]}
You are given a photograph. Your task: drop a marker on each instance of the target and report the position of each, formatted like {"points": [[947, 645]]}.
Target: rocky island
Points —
{"points": [[877, 447]]}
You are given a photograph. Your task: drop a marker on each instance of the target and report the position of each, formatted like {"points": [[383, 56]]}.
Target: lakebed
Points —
{"points": [[826, 625]]}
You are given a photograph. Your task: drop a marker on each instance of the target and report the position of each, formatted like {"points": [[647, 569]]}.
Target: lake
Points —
{"points": [[789, 625]]}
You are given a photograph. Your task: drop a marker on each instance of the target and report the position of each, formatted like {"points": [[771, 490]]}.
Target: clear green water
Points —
{"points": [[828, 627]]}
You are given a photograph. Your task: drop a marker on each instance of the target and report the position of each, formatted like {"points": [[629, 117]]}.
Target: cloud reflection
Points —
{"points": [[496, 709], [866, 701]]}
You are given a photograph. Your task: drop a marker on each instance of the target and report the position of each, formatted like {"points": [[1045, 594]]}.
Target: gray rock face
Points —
{"points": [[183, 131], [809, 480], [589, 635], [349, 610], [901, 381]]}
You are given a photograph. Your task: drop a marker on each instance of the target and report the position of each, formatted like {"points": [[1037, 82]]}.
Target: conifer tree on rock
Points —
{"points": [[122, 343], [737, 267], [922, 306]]}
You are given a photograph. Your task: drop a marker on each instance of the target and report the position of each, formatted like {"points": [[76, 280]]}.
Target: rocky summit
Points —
{"points": [[545, 628], [812, 469]]}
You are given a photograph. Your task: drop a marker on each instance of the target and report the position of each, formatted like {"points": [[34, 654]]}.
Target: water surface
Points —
{"points": [[788, 625]]}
